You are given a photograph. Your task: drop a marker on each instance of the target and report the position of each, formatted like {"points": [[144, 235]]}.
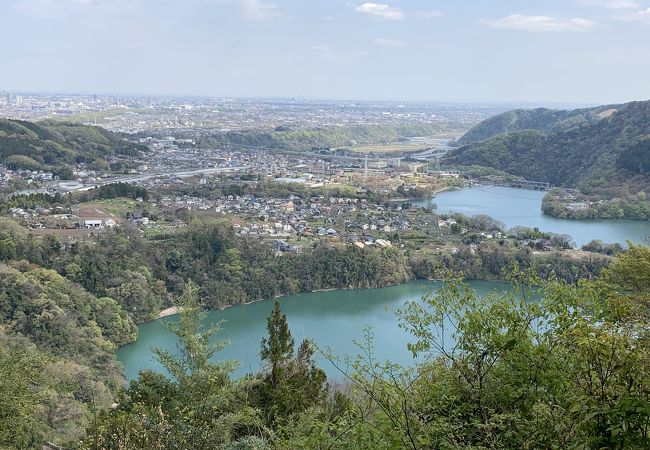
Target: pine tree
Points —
{"points": [[277, 350], [291, 385]]}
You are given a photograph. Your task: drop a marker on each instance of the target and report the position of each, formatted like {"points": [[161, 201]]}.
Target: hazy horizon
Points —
{"points": [[296, 98], [564, 52]]}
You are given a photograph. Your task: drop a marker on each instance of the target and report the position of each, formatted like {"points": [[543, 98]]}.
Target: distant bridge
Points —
{"points": [[535, 185]]}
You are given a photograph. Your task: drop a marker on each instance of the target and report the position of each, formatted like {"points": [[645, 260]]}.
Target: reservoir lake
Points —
{"points": [[523, 207], [333, 319], [336, 319]]}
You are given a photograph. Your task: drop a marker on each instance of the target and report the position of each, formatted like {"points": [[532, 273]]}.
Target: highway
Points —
{"points": [[60, 186]]}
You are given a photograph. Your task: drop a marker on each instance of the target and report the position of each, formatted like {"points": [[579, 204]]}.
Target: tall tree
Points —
{"points": [[200, 407], [277, 350], [291, 385]]}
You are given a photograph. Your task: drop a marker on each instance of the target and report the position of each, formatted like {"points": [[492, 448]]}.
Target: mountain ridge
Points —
{"points": [[610, 155], [539, 119]]}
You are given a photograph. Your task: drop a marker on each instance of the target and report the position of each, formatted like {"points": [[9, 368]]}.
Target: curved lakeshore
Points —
{"points": [[332, 318], [317, 314], [522, 207]]}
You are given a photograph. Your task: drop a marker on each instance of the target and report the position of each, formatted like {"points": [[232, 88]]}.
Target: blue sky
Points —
{"points": [[573, 51]]}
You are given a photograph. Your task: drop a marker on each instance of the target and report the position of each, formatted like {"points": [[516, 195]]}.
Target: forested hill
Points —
{"points": [[609, 155], [540, 119], [318, 138], [56, 146]]}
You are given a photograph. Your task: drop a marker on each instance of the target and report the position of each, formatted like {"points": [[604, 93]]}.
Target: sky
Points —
{"points": [[498, 51]]}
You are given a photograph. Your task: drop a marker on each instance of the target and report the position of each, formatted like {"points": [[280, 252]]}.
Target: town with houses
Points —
{"points": [[132, 114], [288, 199]]}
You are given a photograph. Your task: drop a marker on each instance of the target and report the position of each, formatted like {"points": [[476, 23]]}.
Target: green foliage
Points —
{"points": [[290, 385], [194, 344], [630, 272], [141, 274], [58, 315], [21, 391], [200, 407], [16, 162], [113, 190], [540, 119], [278, 348], [632, 206], [54, 146], [30, 201], [318, 139], [554, 366], [606, 157], [77, 331], [598, 246], [636, 158], [505, 371]]}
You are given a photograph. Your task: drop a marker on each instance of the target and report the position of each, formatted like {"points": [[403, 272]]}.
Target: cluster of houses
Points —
{"points": [[7, 176], [58, 218], [294, 216]]}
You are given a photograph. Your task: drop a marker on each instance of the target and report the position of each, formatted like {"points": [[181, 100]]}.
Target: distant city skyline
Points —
{"points": [[561, 52]]}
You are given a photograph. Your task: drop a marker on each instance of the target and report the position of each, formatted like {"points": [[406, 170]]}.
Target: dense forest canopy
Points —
{"points": [[608, 156], [57, 146], [540, 119], [67, 307], [569, 370]]}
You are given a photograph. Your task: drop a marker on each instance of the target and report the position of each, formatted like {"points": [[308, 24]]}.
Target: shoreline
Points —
{"points": [[174, 310], [171, 311]]}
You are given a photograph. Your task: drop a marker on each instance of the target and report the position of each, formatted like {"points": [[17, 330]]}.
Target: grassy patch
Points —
{"points": [[115, 209], [389, 148]]}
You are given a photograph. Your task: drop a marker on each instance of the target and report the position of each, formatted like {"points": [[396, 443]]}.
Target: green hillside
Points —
{"points": [[301, 140], [610, 157], [540, 119], [55, 146]]}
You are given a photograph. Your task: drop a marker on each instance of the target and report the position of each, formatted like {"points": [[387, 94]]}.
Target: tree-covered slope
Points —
{"points": [[540, 119], [609, 155], [60, 339], [55, 146], [301, 140]]}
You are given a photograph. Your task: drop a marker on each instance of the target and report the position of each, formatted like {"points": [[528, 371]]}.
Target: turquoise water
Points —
{"points": [[333, 319], [522, 207]]}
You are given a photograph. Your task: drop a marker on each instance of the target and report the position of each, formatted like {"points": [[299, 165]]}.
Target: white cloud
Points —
{"points": [[429, 14], [386, 42], [610, 4], [642, 16], [381, 11], [257, 9], [539, 23]]}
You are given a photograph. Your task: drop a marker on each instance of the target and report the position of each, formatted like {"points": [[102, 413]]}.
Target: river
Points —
{"points": [[333, 319], [522, 207]]}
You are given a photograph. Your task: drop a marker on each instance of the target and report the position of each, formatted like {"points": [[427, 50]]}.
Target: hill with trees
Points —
{"points": [[569, 370], [57, 146], [65, 308], [57, 347], [539, 119], [319, 138], [609, 157]]}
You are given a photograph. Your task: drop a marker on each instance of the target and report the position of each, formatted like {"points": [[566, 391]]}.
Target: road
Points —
{"points": [[59, 186]]}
